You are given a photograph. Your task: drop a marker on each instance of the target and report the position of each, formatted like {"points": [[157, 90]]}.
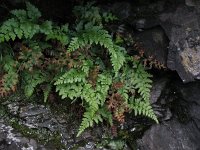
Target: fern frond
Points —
{"points": [[142, 108], [73, 75], [142, 82], [46, 91], [10, 80], [102, 86], [31, 80], [88, 120], [107, 16], [97, 35], [57, 33], [32, 12]]}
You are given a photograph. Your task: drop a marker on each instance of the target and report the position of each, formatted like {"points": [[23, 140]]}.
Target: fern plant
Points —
{"points": [[81, 60]]}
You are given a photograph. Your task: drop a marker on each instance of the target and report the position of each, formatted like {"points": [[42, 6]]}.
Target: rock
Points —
{"points": [[13, 107], [190, 2], [32, 110], [155, 44], [123, 10], [182, 28], [157, 88], [191, 94], [183, 131], [146, 16], [57, 130], [12, 140], [171, 135], [145, 23]]}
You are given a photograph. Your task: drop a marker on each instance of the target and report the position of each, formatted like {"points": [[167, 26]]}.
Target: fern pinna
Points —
{"points": [[82, 61]]}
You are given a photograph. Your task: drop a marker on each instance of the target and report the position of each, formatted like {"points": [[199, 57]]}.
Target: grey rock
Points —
{"points": [[155, 43], [157, 89], [90, 145], [13, 140], [33, 143], [182, 28], [190, 2], [140, 24], [171, 136], [32, 110], [145, 23], [13, 107], [191, 94], [122, 10]]}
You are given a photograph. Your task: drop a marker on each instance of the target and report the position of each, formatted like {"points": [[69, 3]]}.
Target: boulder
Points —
{"points": [[182, 28], [155, 43], [183, 131], [171, 135]]}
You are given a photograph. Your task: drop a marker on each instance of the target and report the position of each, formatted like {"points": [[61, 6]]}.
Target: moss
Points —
{"points": [[43, 137], [2, 111]]}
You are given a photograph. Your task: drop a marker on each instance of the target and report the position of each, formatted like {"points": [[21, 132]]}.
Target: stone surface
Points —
{"points": [[183, 131], [191, 94], [155, 43], [123, 10], [171, 135], [12, 140], [33, 126], [182, 28]]}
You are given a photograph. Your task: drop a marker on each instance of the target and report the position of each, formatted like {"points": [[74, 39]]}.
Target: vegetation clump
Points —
{"points": [[81, 61]]}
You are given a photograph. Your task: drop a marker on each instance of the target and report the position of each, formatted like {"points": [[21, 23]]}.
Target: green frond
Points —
{"points": [[89, 118], [108, 17], [10, 79], [142, 82], [57, 33], [25, 24], [46, 91], [79, 67], [97, 35], [33, 12], [72, 76], [141, 107], [31, 80]]}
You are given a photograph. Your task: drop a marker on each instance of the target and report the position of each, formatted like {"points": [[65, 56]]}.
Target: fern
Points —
{"points": [[31, 80], [97, 35], [86, 64], [108, 17], [137, 82], [46, 91], [32, 12], [10, 78], [25, 24], [73, 84], [59, 34], [142, 82], [141, 107], [88, 13]]}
